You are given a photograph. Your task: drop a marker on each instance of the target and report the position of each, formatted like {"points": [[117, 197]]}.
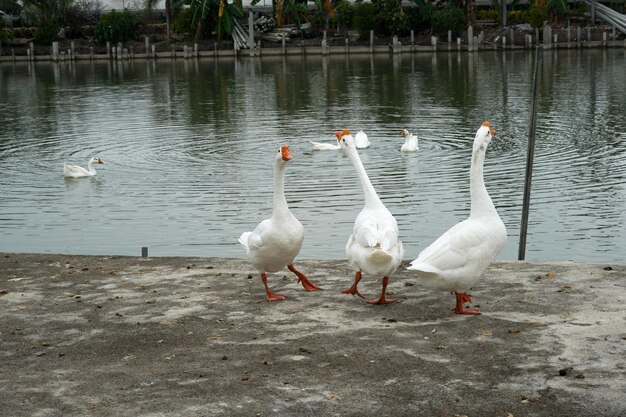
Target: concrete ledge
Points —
{"points": [[123, 336], [303, 50]]}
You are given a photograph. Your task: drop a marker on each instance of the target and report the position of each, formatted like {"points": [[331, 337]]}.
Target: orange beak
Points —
{"points": [[492, 132], [338, 134], [285, 153], [100, 161], [402, 133]]}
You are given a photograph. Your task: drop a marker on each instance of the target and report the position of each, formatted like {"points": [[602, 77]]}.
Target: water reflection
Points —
{"points": [[188, 149]]}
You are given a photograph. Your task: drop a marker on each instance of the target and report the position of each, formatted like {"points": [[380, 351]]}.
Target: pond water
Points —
{"points": [[188, 150]]}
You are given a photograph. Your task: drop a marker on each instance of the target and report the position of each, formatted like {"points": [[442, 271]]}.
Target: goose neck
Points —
{"points": [[280, 202], [369, 193], [481, 203]]}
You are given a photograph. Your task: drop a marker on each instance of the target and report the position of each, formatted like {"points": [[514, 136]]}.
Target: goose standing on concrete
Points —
{"points": [[276, 241], [457, 259], [75, 171], [373, 248], [410, 141]]}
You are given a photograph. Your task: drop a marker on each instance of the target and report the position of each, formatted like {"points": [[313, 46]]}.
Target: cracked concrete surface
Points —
{"points": [[124, 336]]}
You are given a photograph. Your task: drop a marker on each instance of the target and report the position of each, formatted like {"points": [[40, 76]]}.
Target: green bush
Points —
{"points": [[420, 17], [46, 32], [344, 14], [115, 27], [537, 15], [88, 30], [364, 18], [4, 33], [517, 16], [579, 8], [490, 14], [182, 25], [21, 33], [448, 18]]}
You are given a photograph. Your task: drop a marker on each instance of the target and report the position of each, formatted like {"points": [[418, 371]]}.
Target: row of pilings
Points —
{"points": [[473, 41]]}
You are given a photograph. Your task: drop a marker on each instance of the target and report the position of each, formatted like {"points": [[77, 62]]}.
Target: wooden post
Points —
{"points": [[195, 50], [251, 32], [569, 35], [593, 12], [72, 51], [412, 38], [153, 47], [547, 36], [147, 42], [470, 38], [371, 41], [512, 36], [604, 39], [31, 49], [537, 36], [530, 156], [108, 50], [55, 51], [91, 53], [579, 36], [283, 43], [433, 43], [458, 44]]}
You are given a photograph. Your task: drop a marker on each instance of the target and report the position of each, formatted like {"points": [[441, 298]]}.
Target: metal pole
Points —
{"points": [[529, 157]]}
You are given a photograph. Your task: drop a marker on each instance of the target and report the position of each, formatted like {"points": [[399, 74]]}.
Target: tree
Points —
{"points": [[47, 15], [215, 14]]}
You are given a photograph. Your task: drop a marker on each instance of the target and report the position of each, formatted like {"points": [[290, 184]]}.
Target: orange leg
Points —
{"points": [[353, 289], [269, 294], [463, 297], [308, 285], [382, 299]]}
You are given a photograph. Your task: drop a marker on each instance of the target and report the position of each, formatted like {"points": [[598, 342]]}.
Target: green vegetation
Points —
{"points": [[208, 16], [48, 20], [448, 18], [115, 27]]}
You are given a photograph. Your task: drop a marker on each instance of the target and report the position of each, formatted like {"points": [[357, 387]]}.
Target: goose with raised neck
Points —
{"points": [[410, 141], [373, 247], [457, 259], [275, 242]]}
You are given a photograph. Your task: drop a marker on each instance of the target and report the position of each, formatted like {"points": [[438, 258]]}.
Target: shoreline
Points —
{"points": [[313, 47], [189, 336]]}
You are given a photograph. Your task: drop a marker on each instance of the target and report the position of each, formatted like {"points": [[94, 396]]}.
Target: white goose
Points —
{"points": [[321, 146], [75, 171], [410, 141], [276, 241], [457, 259], [361, 141], [373, 248]]}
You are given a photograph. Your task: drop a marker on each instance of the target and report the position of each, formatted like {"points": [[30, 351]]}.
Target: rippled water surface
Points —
{"points": [[188, 150]]}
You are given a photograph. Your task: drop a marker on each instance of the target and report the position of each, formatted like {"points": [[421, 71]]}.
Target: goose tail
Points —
{"points": [[243, 240]]}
